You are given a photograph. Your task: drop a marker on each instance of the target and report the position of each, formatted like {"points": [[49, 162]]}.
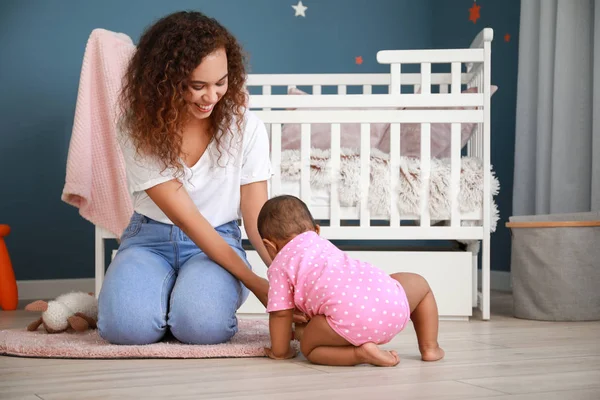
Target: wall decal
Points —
{"points": [[300, 9], [474, 12]]}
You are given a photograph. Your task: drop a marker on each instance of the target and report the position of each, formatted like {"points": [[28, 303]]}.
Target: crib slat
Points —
{"points": [[395, 79], [480, 125], [474, 138], [455, 167], [470, 147], [455, 72], [394, 173], [470, 142], [341, 89], [316, 89], [367, 89], [276, 159], [443, 88], [266, 91], [305, 164], [365, 173], [334, 219], [425, 172], [426, 78]]}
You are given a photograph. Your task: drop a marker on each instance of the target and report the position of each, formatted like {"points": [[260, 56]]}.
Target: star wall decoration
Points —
{"points": [[300, 9], [474, 12], [358, 60], [507, 37]]}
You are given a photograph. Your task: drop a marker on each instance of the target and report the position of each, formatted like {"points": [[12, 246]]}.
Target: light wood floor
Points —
{"points": [[502, 359]]}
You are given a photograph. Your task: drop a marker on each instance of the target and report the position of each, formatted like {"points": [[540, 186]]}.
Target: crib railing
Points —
{"points": [[396, 107], [365, 117]]}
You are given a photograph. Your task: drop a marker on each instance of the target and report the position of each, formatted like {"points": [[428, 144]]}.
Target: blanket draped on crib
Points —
{"points": [[95, 176]]}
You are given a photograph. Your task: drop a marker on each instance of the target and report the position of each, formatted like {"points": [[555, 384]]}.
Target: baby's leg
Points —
{"points": [[423, 313], [322, 345]]}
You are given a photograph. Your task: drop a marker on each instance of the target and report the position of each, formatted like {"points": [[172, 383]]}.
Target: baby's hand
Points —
{"points": [[291, 353]]}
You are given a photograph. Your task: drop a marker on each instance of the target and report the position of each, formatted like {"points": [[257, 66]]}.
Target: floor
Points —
{"points": [[501, 359]]}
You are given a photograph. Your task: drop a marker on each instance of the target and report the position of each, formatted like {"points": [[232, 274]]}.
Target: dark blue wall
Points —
{"points": [[451, 28], [41, 49]]}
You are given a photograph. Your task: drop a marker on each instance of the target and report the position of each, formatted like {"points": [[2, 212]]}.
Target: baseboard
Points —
{"points": [[51, 288], [499, 280]]}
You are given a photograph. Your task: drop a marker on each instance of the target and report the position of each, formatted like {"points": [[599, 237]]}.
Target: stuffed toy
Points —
{"points": [[75, 310]]}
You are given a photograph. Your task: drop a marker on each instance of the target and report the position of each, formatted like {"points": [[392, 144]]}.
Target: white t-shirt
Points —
{"points": [[213, 183]]}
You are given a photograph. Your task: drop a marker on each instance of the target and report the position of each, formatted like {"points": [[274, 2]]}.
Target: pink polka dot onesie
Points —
{"points": [[360, 302]]}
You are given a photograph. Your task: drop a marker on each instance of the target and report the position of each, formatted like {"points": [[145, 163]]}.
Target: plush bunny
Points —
{"points": [[76, 310]]}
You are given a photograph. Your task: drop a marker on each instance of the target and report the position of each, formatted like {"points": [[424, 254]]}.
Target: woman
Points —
{"points": [[194, 156]]}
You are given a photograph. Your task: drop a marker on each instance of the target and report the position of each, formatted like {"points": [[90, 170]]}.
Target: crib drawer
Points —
{"points": [[449, 275]]}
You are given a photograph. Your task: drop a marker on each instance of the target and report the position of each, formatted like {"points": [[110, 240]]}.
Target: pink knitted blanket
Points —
{"points": [[95, 178]]}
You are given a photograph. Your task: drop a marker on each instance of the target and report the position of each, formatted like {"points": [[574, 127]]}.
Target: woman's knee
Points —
{"points": [[202, 326], [129, 326], [132, 303], [204, 302]]}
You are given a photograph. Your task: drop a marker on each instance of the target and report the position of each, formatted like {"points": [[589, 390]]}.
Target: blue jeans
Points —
{"points": [[160, 280]]}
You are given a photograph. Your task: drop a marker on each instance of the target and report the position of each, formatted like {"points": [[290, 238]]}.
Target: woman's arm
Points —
{"points": [[172, 198], [253, 196]]}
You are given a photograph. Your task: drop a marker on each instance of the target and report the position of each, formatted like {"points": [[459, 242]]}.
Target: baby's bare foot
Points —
{"points": [[432, 353], [370, 353]]}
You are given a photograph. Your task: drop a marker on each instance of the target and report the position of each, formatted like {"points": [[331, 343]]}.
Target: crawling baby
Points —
{"points": [[352, 306]]}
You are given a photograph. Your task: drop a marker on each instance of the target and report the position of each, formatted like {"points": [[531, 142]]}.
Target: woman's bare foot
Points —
{"points": [[370, 353], [432, 353]]}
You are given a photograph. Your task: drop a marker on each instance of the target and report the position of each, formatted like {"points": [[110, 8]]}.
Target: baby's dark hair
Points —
{"points": [[284, 217]]}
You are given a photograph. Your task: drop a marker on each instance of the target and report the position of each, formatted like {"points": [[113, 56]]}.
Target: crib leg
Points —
{"points": [[475, 281], [485, 277], [99, 261]]}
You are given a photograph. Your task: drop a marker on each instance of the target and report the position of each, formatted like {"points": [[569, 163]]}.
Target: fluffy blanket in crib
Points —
{"points": [[470, 197]]}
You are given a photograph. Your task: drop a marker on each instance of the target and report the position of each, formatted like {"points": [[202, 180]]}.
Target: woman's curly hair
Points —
{"points": [[152, 103]]}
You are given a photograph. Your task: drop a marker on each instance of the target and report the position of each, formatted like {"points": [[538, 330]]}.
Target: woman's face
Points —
{"points": [[208, 84]]}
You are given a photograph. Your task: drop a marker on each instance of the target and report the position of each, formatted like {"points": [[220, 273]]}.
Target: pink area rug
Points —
{"points": [[250, 341]]}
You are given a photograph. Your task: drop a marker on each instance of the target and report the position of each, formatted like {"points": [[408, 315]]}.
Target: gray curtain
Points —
{"points": [[557, 147]]}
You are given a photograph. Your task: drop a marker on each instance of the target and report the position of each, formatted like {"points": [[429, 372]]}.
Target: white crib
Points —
{"points": [[453, 275]]}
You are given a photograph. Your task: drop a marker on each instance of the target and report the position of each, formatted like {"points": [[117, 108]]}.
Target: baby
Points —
{"points": [[352, 306]]}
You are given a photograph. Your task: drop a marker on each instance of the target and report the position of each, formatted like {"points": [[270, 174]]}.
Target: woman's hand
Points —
{"points": [[262, 291], [300, 317]]}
